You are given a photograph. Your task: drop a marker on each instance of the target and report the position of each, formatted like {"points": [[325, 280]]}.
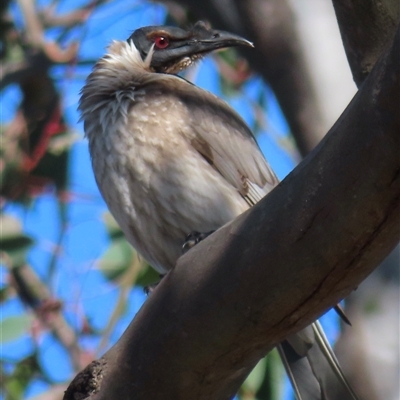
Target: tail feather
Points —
{"points": [[301, 376], [327, 350], [312, 366]]}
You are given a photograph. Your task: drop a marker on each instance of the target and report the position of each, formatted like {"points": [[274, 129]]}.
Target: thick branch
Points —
{"points": [[280, 61], [367, 27], [274, 269]]}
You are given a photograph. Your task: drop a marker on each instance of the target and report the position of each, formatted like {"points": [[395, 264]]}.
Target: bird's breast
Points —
{"points": [[156, 185]]}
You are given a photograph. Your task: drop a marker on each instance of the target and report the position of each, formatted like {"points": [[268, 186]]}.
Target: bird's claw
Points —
{"points": [[193, 238], [150, 288]]}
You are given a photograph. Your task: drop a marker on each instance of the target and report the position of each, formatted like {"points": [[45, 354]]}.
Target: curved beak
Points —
{"points": [[221, 39]]}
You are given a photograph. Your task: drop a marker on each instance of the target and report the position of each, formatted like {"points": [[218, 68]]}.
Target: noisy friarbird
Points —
{"points": [[171, 158]]}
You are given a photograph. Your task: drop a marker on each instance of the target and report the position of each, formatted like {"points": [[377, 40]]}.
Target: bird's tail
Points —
{"points": [[312, 366]]}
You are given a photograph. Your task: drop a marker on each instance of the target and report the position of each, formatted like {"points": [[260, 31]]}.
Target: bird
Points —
{"points": [[175, 162]]}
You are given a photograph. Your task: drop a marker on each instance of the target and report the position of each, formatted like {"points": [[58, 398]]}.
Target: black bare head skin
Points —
{"points": [[176, 48]]}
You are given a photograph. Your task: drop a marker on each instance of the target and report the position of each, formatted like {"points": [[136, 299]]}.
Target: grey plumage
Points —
{"points": [[170, 158]]}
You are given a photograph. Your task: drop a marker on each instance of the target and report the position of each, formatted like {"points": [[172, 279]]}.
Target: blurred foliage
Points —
{"points": [[118, 258], [13, 242], [16, 383], [13, 327], [27, 168], [234, 71], [34, 146], [265, 381]]}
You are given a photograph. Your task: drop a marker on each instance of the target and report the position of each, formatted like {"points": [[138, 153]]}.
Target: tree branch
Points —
{"points": [[34, 293], [280, 61], [367, 27], [34, 28], [274, 269]]}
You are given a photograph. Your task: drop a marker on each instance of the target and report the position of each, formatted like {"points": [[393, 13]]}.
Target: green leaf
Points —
{"points": [[265, 381], [116, 259], [272, 385], [254, 380], [147, 276], [112, 226], [13, 241], [13, 327], [15, 388], [229, 55], [120, 254], [4, 293], [16, 383]]}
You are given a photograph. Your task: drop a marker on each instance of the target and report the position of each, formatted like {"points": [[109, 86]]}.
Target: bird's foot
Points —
{"points": [[150, 288], [193, 238]]}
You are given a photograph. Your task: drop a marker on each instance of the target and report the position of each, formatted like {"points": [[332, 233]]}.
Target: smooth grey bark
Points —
{"points": [[273, 270], [367, 27]]}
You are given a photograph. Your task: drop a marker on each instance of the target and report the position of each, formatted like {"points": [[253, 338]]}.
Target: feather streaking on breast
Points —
{"points": [[163, 158]]}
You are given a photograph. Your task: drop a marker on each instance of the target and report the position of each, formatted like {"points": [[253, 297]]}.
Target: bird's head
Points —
{"points": [[170, 49]]}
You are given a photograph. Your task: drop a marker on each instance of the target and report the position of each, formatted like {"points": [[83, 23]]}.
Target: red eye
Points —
{"points": [[161, 42]]}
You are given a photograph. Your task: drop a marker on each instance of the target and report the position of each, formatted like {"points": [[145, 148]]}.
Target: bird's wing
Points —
{"points": [[222, 137], [228, 144]]}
